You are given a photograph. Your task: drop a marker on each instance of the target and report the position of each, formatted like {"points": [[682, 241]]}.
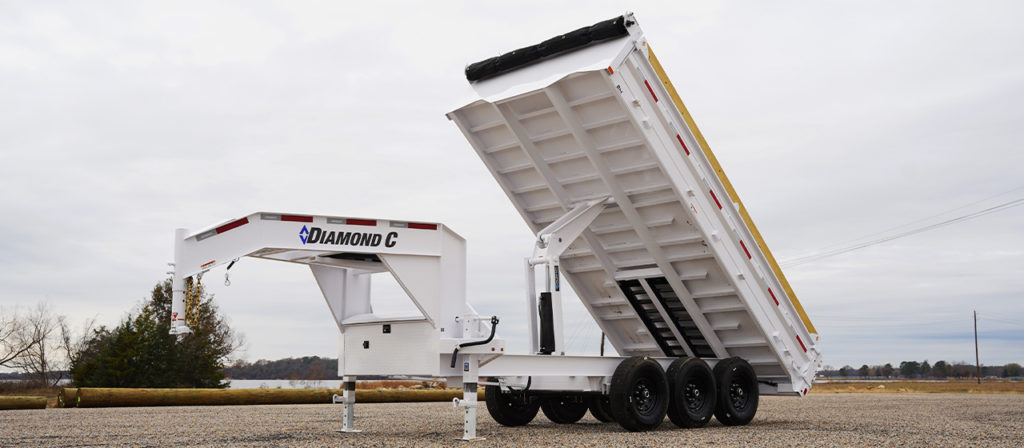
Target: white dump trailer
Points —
{"points": [[592, 144]]}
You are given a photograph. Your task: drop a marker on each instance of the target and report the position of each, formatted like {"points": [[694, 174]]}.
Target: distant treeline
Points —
{"points": [[923, 369], [304, 368], [28, 376], [317, 368]]}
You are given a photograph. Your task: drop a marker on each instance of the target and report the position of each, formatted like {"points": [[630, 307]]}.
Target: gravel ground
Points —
{"points": [[817, 420]]}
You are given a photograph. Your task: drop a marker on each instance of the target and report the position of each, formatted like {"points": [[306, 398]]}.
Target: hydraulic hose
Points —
{"points": [[494, 328]]}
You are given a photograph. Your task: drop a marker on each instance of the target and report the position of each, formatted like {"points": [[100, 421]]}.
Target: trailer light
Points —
{"points": [[745, 249], [715, 197], [610, 71], [773, 296], [232, 225], [684, 144], [296, 218], [361, 222], [413, 225], [649, 89], [416, 225]]}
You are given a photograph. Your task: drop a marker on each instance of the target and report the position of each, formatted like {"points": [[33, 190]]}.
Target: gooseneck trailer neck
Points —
{"points": [[590, 141]]}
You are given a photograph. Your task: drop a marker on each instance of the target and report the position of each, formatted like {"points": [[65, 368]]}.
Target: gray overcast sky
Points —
{"points": [[834, 120]]}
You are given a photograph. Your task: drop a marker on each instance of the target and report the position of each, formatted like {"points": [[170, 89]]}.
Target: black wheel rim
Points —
{"points": [[516, 402], [644, 397], [738, 396], [694, 396]]}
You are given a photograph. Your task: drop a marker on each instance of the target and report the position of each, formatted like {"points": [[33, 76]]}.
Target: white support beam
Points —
{"points": [[554, 239], [563, 196], [631, 214]]}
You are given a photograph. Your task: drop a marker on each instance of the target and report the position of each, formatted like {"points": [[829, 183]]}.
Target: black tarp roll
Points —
{"points": [[522, 57]]}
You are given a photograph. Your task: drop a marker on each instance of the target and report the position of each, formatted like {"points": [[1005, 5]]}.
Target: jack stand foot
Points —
{"points": [[348, 430], [472, 440]]}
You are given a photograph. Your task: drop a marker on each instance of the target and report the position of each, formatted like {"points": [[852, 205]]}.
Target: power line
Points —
{"points": [[927, 218], [984, 317], [809, 258]]}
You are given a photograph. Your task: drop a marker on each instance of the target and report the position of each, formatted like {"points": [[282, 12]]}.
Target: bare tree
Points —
{"points": [[14, 338], [39, 335], [73, 345]]}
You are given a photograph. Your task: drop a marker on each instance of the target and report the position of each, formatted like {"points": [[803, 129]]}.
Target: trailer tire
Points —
{"points": [[639, 394], [693, 392], [564, 409], [510, 409], [601, 408], [737, 392]]}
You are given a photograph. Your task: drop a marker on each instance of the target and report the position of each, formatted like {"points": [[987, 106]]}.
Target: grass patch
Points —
{"points": [[944, 387], [26, 388]]}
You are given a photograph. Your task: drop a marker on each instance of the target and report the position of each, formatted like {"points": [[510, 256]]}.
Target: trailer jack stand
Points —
{"points": [[470, 376], [349, 401]]}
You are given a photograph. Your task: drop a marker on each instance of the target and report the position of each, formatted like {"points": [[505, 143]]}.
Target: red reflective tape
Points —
{"points": [[208, 263], [716, 198], [296, 218], [361, 222], [414, 225], [801, 343], [684, 144], [232, 225], [773, 296], [610, 71], [745, 249], [649, 89], [805, 391]]}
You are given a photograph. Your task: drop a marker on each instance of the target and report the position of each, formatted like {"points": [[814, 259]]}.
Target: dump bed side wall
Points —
{"points": [[678, 102], [673, 268]]}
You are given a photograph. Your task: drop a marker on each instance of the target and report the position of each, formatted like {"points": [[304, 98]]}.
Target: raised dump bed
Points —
{"points": [[673, 266]]}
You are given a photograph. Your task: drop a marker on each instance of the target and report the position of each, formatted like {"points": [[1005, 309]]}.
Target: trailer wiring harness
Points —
{"points": [[494, 328]]}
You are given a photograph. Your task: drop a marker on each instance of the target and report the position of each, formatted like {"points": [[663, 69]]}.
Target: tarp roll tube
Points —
{"points": [[512, 60]]}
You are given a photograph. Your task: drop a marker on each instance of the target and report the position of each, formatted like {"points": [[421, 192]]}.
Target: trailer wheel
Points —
{"points": [[510, 409], [601, 408], [564, 409], [639, 394], [737, 392], [692, 385]]}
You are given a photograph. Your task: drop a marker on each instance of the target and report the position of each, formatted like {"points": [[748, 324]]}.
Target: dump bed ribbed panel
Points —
{"points": [[670, 269]]}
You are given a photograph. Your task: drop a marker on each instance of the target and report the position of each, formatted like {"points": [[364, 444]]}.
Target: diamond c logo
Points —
{"points": [[304, 234]]}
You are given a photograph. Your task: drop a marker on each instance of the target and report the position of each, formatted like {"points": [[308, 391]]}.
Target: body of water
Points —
{"points": [[285, 384]]}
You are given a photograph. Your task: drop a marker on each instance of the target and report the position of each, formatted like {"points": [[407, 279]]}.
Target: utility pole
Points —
{"points": [[602, 343], [977, 361]]}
